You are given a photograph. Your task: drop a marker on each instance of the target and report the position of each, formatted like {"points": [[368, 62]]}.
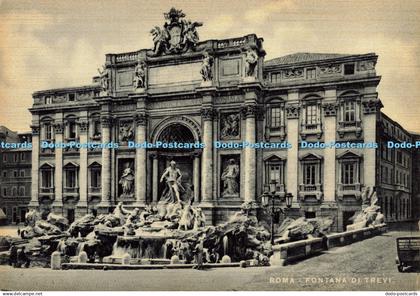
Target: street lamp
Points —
{"points": [[270, 195]]}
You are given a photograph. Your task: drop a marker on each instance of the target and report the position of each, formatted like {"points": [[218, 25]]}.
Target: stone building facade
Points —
{"points": [[187, 91], [15, 178], [395, 176]]}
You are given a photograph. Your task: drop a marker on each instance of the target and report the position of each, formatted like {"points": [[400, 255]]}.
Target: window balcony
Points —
{"points": [[47, 190], [310, 190], [350, 127], [280, 190], [349, 190], [94, 190], [71, 189], [271, 132], [311, 129]]}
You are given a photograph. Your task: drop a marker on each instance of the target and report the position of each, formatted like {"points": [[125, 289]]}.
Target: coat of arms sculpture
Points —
{"points": [[177, 35]]}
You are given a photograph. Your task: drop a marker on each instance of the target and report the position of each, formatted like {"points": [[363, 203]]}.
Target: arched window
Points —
{"points": [[70, 128], [47, 131], [95, 176]]}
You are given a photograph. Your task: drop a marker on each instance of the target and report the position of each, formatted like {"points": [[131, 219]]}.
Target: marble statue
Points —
{"points": [[176, 36], [139, 75], [230, 178], [104, 75], [371, 212], [127, 180], [230, 126], [251, 61], [126, 132], [172, 175], [191, 35], [160, 39], [206, 67], [366, 195]]}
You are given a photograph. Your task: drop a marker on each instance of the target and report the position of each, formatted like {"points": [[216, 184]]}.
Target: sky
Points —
{"points": [[56, 43]]}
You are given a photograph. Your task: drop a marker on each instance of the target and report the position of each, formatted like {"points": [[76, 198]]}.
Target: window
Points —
{"points": [[22, 173], [72, 97], [348, 69], [350, 111], [72, 130], [15, 174], [71, 178], [15, 157], [21, 191], [4, 158], [96, 128], [274, 171], [95, 177], [4, 174], [48, 132], [311, 114], [310, 215], [4, 191], [348, 173], [48, 100], [311, 73], [275, 116], [399, 157], [309, 174], [14, 191], [275, 77], [46, 178], [22, 156]]}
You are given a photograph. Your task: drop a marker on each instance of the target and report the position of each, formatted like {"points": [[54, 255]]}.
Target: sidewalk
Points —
{"points": [[10, 230]]}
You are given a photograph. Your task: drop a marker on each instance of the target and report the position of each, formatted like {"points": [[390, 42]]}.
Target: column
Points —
{"points": [[106, 162], [330, 111], [58, 169], [207, 156], [35, 167], [140, 173], [155, 181], [249, 154], [371, 107], [83, 170], [196, 178], [292, 164]]}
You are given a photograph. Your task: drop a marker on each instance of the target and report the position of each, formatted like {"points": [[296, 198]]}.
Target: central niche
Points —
{"points": [[176, 133]]}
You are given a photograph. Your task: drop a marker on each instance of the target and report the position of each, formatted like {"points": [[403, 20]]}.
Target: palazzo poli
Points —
{"points": [[190, 91]]}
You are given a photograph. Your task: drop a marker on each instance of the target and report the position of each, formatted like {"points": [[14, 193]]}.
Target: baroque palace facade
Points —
{"points": [[190, 91]]}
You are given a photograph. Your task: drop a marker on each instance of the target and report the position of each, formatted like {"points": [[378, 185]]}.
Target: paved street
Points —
{"points": [[366, 265]]}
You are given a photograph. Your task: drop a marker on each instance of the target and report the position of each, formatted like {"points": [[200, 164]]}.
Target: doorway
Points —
{"points": [[70, 215], [347, 215]]}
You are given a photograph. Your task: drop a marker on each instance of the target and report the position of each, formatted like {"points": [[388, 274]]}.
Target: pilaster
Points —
{"points": [[292, 164], [58, 173], [35, 165], [83, 170], [140, 173], [106, 122], [330, 107]]}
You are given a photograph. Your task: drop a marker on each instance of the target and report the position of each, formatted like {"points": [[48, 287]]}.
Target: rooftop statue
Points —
{"points": [[176, 36], [104, 75]]}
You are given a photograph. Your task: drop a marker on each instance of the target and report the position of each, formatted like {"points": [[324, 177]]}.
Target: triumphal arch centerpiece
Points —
{"points": [[181, 92]]}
